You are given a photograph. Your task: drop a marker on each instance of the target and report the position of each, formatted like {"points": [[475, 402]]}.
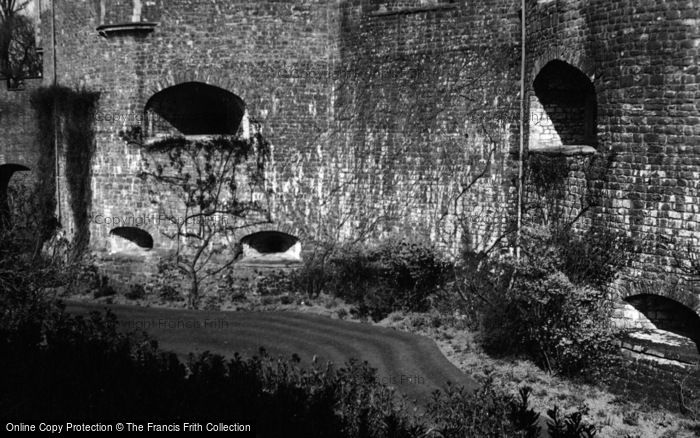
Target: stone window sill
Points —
{"points": [[383, 12], [568, 150], [142, 27], [194, 138]]}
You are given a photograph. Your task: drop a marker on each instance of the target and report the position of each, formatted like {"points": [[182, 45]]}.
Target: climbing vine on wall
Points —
{"points": [[70, 114], [45, 191], [217, 189]]}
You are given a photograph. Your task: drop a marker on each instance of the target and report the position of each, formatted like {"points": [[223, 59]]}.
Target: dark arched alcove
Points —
{"points": [[271, 247], [193, 108], [130, 238], [667, 314], [563, 111]]}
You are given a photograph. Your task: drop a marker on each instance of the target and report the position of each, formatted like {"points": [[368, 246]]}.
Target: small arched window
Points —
{"points": [[563, 110], [129, 240], [271, 247]]}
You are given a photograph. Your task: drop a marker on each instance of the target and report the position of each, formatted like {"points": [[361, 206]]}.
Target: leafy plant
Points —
{"points": [[104, 289], [569, 425], [487, 412], [136, 292], [541, 314], [19, 57], [393, 275]]}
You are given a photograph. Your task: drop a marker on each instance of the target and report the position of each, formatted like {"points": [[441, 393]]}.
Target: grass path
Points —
{"points": [[412, 364]]}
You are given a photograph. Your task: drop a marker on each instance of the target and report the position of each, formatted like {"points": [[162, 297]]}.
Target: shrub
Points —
{"points": [[486, 412], [169, 294], [273, 283], [541, 314], [84, 368], [569, 425], [136, 292], [393, 275], [595, 257], [104, 289]]}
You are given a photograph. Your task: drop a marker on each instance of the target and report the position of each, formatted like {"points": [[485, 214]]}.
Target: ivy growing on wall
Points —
{"points": [[45, 190], [69, 114]]}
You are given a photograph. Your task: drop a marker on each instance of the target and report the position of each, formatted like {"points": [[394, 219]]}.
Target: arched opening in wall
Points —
{"points": [[6, 195], [271, 247], [129, 240], [667, 315], [194, 109], [563, 109]]}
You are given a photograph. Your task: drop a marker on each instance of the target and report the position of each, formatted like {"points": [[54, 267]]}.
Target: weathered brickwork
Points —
{"points": [[642, 58], [18, 125], [402, 116]]}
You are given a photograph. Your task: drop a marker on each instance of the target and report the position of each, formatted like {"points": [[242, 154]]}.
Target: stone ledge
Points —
{"points": [[657, 353], [150, 141], [568, 151], [142, 27], [415, 10]]}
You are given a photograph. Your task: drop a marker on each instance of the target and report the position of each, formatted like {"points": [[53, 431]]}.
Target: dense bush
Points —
{"points": [[393, 275], [593, 258], [487, 412], [564, 327], [136, 292], [84, 369], [550, 304], [58, 366]]}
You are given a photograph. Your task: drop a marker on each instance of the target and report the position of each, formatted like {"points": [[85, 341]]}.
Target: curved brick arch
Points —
{"points": [[279, 228], [180, 77], [667, 314], [661, 289], [571, 57]]}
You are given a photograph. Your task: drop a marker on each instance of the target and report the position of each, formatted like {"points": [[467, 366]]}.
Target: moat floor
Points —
{"points": [[412, 364]]}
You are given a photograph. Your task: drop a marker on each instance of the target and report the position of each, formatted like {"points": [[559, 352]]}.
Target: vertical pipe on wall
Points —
{"points": [[521, 152], [55, 114]]}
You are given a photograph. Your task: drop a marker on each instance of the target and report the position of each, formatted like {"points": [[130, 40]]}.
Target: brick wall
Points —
{"points": [[273, 55], [18, 125], [369, 107], [642, 57], [416, 84], [657, 385], [345, 163]]}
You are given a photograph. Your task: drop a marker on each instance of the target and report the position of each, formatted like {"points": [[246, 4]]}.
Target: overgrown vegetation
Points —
{"points": [[69, 114], [551, 305], [19, 57], [395, 274], [563, 327], [59, 366]]}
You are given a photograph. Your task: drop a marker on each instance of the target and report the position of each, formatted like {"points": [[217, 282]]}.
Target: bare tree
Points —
{"points": [[19, 58], [207, 191]]}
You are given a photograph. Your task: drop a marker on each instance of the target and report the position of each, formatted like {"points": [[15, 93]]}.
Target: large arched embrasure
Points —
{"points": [[193, 108], [563, 109]]}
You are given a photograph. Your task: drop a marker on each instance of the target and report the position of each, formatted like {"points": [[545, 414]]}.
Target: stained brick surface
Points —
{"points": [[338, 88]]}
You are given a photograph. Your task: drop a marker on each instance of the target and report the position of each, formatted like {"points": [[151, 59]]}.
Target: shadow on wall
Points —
{"points": [[563, 110], [668, 314], [129, 241], [270, 248]]}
